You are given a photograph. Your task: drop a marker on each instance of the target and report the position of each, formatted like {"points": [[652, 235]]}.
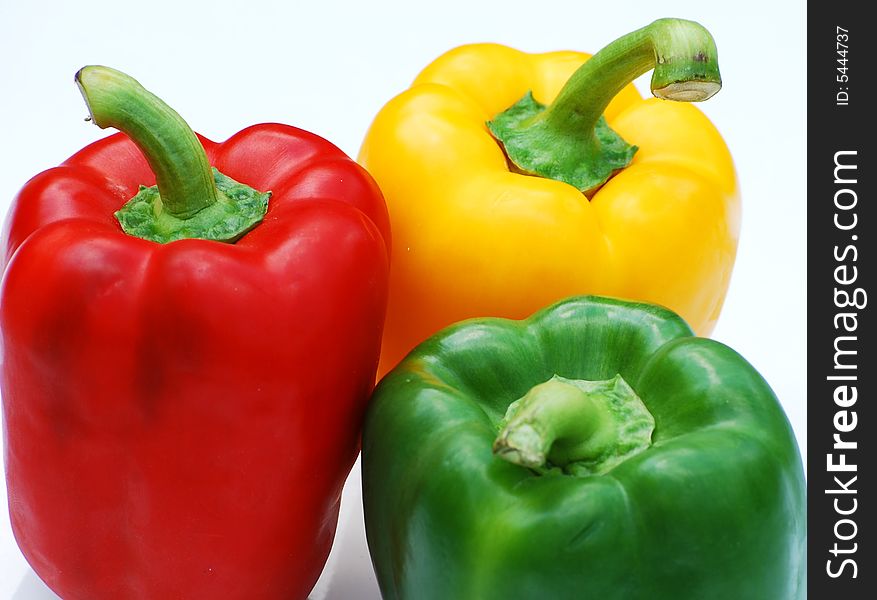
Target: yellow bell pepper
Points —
{"points": [[478, 232]]}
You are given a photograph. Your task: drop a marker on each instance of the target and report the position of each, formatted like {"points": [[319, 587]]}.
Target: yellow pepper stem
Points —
{"points": [[570, 140]]}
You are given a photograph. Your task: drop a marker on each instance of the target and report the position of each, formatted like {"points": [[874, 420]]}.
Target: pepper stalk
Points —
{"points": [[583, 427], [190, 200], [569, 140]]}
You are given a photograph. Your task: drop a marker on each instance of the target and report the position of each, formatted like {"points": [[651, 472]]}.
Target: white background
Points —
{"points": [[329, 66]]}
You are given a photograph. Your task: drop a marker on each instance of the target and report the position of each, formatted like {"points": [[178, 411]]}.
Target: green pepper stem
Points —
{"points": [[594, 424], [182, 172], [551, 412], [682, 53]]}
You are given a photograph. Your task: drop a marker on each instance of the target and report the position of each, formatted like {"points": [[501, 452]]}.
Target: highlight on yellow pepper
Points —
{"points": [[514, 180]]}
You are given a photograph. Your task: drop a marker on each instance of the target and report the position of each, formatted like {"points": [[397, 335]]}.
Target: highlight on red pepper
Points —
{"points": [[186, 361]]}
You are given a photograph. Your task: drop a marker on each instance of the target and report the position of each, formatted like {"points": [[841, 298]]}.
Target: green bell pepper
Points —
{"points": [[639, 462]]}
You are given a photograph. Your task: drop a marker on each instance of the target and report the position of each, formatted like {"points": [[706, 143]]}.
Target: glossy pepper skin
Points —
{"points": [[713, 508], [180, 418], [473, 238]]}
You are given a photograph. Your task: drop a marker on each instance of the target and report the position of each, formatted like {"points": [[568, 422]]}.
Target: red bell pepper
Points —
{"points": [[180, 417]]}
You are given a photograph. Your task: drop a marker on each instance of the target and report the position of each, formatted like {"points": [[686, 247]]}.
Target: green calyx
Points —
{"points": [[191, 199], [569, 140], [237, 210], [586, 163], [582, 427]]}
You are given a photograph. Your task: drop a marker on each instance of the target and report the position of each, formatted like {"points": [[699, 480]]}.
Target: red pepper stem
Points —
{"points": [[182, 171], [581, 426]]}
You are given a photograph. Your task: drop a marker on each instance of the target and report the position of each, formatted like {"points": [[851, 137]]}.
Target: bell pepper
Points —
{"points": [[182, 404], [594, 450], [500, 205]]}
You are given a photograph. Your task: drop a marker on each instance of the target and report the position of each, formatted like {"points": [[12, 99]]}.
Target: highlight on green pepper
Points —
{"points": [[594, 450]]}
